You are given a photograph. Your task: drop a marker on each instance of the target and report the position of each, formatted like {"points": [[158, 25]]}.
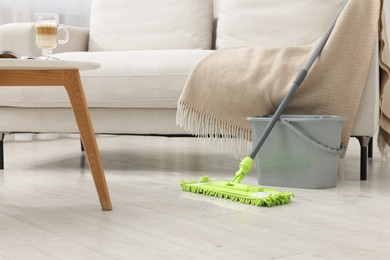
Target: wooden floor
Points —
{"points": [[49, 207]]}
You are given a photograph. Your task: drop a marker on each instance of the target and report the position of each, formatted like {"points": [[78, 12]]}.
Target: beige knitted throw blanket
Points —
{"points": [[234, 83]]}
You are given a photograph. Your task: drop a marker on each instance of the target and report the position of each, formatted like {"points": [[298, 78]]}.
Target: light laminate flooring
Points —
{"points": [[49, 207]]}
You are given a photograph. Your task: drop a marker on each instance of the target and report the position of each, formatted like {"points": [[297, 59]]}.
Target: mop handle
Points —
{"points": [[297, 82]]}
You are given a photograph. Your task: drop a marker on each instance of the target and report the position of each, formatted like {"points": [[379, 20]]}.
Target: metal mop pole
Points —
{"points": [[297, 82], [246, 164]]}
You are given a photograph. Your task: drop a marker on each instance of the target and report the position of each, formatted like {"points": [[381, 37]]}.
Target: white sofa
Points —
{"points": [[147, 50]]}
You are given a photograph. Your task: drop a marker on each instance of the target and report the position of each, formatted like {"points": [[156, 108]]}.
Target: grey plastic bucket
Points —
{"points": [[302, 151]]}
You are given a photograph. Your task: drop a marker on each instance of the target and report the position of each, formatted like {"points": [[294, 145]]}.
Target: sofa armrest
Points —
{"points": [[20, 37]]}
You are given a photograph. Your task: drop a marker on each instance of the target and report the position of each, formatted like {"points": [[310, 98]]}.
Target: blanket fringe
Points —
{"points": [[234, 140]]}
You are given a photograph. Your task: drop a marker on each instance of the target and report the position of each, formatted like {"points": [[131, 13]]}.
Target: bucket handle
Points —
{"points": [[339, 150]]}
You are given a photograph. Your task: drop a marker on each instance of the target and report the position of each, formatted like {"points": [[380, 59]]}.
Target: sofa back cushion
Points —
{"points": [[118, 25], [273, 22]]}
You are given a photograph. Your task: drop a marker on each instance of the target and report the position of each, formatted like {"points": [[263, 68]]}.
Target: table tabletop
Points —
{"points": [[37, 64]]}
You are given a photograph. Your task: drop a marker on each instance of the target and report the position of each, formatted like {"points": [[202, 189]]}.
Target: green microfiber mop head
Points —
{"points": [[243, 193], [236, 191]]}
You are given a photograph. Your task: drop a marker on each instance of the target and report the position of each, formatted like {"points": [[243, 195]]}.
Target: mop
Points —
{"points": [[258, 196]]}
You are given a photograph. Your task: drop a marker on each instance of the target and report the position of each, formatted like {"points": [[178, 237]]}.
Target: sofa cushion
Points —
{"points": [[131, 79], [149, 25], [273, 22]]}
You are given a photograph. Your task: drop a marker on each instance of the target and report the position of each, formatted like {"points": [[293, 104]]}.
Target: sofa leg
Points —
{"points": [[1, 151], [364, 141], [82, 146], [370, 148]]}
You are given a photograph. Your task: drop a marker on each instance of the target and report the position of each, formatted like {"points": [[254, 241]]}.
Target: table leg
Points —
{"points": [[73, 86]]}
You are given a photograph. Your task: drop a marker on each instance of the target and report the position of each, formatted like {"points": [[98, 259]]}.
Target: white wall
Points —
{"points": [[72, 12]]}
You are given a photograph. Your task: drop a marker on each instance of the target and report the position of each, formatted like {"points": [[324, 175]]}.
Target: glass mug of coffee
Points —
{"points": [[46, 32]]}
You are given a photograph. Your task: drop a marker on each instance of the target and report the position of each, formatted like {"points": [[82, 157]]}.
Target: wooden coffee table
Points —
{"points": [[30, 73]]}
